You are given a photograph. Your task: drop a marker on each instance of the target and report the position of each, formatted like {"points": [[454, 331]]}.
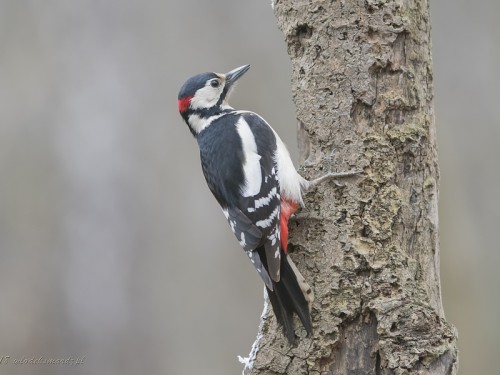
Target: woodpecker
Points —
{"points": [[251, 175]]}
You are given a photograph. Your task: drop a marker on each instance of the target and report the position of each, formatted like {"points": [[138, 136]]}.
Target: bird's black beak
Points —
{"points": [[235, 74]]}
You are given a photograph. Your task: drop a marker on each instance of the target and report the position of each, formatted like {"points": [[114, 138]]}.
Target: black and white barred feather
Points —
{"points": [[250, 173]]}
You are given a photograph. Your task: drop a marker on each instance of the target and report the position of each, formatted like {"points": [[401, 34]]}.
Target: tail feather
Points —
{"points": [[283, 311], [288, 297]]}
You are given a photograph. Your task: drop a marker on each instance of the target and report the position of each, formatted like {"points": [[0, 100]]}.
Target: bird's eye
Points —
{"points": [[214, 83]]}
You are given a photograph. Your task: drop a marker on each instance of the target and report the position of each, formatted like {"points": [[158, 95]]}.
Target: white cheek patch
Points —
{"points": [[251, 168], [205, 97]]}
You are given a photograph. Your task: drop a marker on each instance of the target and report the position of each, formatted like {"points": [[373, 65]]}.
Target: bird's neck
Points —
{"points": [[200, 119]]}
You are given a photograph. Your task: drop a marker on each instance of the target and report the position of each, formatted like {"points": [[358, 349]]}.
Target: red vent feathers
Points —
{"points": [[288, 208]]}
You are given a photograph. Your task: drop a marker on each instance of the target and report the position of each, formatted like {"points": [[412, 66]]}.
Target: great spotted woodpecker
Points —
{"points": [[249, 171]]}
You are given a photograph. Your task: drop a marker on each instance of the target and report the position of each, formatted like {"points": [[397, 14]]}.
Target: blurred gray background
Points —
{"points": [[112, 247]]}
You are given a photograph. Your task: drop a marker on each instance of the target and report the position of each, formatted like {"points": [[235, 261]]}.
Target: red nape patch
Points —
{"points": [[287, 209], [183, 103]]}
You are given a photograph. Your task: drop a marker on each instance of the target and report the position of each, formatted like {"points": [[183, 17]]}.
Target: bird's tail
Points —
{"points": [[291, 295]]}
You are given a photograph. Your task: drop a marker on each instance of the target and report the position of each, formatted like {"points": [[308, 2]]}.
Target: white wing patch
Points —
{"points": [[264, 201], [242, 241], [291, 182], [251, 167], [266, 223]]}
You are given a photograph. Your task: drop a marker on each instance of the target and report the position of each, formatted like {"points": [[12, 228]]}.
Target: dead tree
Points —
{"points": [[362, 85]]}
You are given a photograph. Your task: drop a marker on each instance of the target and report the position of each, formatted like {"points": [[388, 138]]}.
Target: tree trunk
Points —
{"points": [[362, 85]]}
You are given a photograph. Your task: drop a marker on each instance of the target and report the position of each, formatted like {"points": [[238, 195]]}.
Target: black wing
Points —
{"points": [[254, 219]]}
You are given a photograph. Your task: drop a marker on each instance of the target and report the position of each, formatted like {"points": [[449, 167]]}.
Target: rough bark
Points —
{"points": [[362, 84]]}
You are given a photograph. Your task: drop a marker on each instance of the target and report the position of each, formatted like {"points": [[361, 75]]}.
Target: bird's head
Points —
{"points": [[206, 95]]}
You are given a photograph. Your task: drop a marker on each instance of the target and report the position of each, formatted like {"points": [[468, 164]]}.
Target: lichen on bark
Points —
{"points": [[362, 85]]}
